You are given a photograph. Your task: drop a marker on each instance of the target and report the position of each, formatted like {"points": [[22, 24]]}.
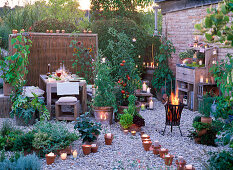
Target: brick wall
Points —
{"points": [[179, 28]]}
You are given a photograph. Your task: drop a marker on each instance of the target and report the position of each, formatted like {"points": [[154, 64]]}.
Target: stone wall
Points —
{"points": [[178, 27]]}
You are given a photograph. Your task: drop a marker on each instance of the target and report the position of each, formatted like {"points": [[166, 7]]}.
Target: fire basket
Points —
{"points": [[173, 115]]}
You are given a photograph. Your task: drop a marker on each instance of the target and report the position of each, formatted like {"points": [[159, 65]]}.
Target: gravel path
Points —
{"points": [[127, 151]]}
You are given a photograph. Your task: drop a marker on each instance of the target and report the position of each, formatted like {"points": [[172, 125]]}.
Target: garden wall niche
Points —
{"points": [[53, 48]]}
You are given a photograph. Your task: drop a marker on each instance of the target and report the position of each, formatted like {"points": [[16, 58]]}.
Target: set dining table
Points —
{"points": [[50, 86]]}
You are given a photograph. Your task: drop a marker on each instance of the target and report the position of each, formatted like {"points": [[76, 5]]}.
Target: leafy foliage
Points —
{"points": [[205, 107], [124, 70], [53, 24], [221, 160], [217, 25], [50, 137], [105, 96], [29, 162], [25, 107], [126, 120], [87, 128], [186, 54], [108, 9], [163, 73], [199, 126], [24, 142], [83, 60]]}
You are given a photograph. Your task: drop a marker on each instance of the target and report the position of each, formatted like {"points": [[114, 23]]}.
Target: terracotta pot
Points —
{"points": [[108, 141], [186, 168], [121, 110], [86, 149], [206, 120], [134, 127], [50, 159], [163, 153], [197, 140], [144, 140], [103, 114], [168, 160], [202, 132], [156, 150], [147, 145], [145, 137], [94, 149], [7, 89], [180, 165]]}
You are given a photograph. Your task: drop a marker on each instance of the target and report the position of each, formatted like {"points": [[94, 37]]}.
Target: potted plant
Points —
{"points": [[205, 108], [88, 129], [126, 120], [104, 98], [26, 110], [201, 128], [124, 70], [14, 67], [137, 120]]}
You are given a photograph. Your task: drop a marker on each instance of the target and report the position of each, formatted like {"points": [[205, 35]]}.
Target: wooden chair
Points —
{"points": [[70, 89]]}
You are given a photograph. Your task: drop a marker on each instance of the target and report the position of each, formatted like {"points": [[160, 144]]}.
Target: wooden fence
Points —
{"points": [[53, 48]]}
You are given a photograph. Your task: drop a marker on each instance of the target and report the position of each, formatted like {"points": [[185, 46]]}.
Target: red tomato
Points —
{"points": [[122, 91], [128, 78], [121, 64], [123, 61]]}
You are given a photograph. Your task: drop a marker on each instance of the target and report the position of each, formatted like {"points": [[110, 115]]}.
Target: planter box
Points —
{"points": [[121, 110]]}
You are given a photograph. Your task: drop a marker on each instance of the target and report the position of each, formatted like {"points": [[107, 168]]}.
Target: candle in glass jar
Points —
{"points": [[51, 154], [144, 86], [109, 135], [201, 79], [200, 62], [144, 63], [148, 64], [207, 80], [148, 90], [163, 149], [143, 107], [151, 105], [126, 131], [63, 156], [188, 167], [133, 133], [103, 60], [75, 154]]}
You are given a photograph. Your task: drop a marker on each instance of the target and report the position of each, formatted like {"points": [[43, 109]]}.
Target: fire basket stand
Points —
{"points": [[173, 115]]}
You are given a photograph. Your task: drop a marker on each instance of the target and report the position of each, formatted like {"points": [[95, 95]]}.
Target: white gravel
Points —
{"points": [[127, 151]]}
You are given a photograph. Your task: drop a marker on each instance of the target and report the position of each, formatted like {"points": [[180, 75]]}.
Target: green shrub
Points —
{"points": [[4, 33], [126, 120], [24, 142], [105, 96], [199, 126], [29, 162], [197, 119], [221, 160], [87, 128], [132, 30], [53, 24], [205, 107], [52, 136]]}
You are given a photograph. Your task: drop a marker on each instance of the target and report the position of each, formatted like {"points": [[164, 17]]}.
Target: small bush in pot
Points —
{"points": [[25, 108], [88, 129], [105, 99], [126, 120]]}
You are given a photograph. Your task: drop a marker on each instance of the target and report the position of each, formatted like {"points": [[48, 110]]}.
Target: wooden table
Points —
{"points": [[51, 87]]}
